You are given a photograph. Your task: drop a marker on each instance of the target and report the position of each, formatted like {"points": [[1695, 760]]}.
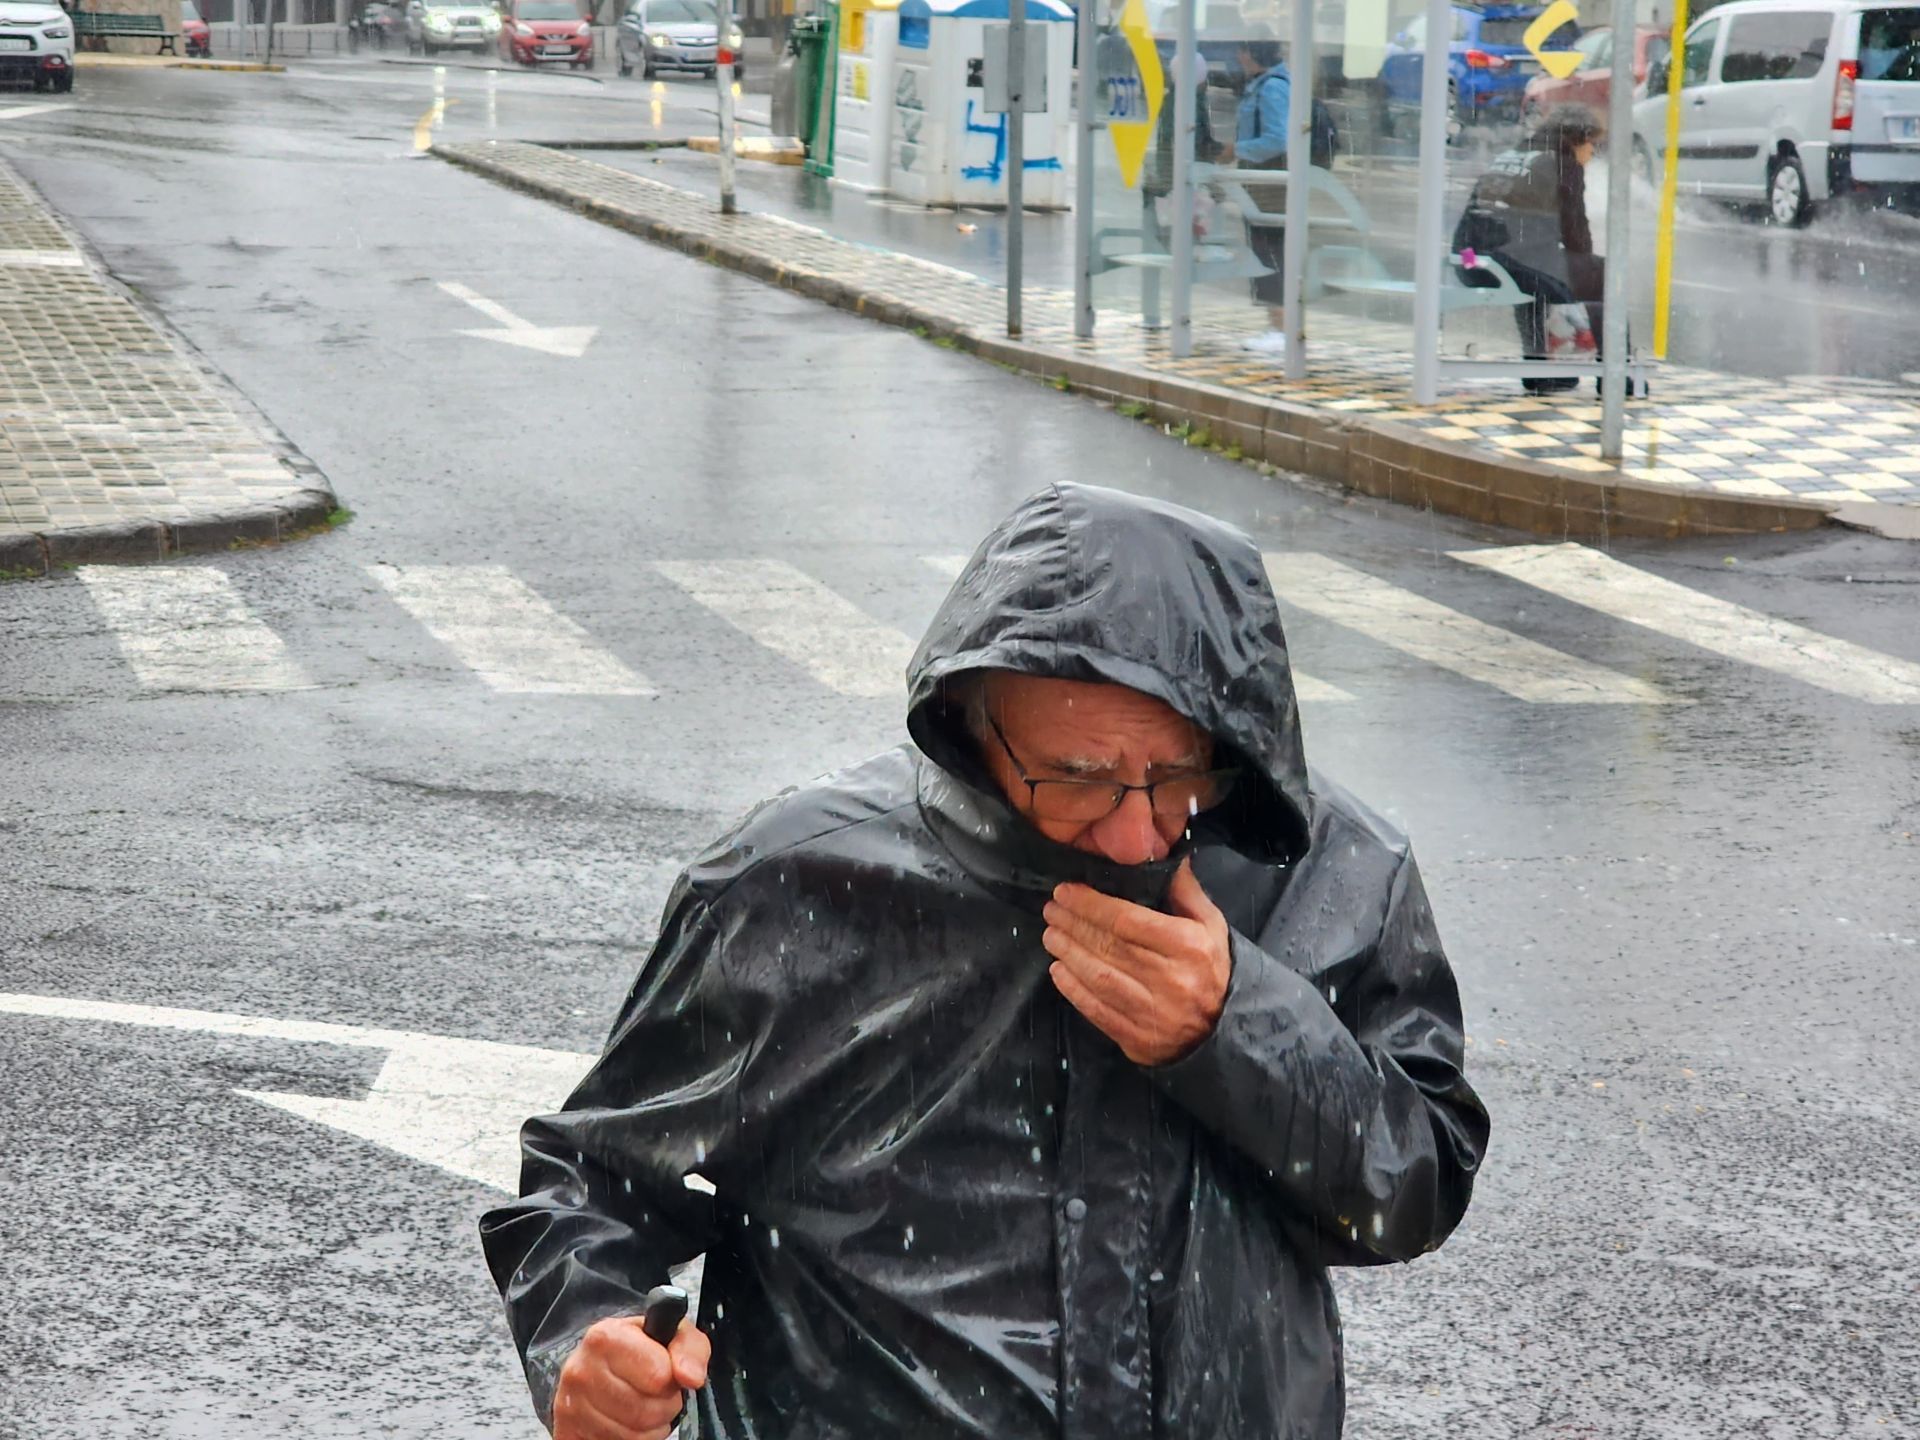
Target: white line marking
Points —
{"points": [[1625, 592], [1305, 686], [512, 639], [188, 630], [796, 616], [20, 112], [449, 1101], [567, 341], [1430, 631]]}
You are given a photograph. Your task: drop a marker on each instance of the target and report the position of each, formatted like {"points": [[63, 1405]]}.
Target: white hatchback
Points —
{"points": [[1792, 103], [36, 45]]}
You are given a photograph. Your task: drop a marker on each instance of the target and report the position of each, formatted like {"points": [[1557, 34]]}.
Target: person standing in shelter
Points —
{"points": [[1024, 1080], [1260, 143]]}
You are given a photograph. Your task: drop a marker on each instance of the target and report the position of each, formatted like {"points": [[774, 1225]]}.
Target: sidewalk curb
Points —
{"points": [[1376, 458], [42, 552]]}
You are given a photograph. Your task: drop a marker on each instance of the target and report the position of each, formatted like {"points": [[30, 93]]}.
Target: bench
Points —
{"points": [[99, 26], [1354, 271], [1349, 215]]}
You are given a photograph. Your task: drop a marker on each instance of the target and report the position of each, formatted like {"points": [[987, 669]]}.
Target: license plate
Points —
{"points": [[16, 42], [1904, 127]]}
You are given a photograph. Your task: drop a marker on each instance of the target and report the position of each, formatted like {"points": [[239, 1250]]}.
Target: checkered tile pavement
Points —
{"points": [[1722, 433]]}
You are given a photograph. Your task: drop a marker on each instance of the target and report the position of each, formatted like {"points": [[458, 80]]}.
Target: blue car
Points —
{"points": [[1488, 65]]}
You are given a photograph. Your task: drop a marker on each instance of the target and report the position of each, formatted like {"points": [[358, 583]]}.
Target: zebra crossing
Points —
{"points": [[189, 629]]}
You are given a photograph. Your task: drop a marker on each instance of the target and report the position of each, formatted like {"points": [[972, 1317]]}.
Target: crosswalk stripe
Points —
{"points": [[505, 633], [1305, 687], [188, 629], [1430, 631], [796, 616], [1599, 582]]}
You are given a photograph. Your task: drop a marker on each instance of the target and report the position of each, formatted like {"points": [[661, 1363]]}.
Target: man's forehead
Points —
{"points": [[1069, 712]]}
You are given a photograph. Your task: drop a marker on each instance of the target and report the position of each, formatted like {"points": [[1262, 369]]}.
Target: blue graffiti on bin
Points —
{"points": [[992, 170]]}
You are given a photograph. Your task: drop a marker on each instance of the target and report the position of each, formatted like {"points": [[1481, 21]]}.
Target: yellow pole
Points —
{"points": [[1669, 182]]}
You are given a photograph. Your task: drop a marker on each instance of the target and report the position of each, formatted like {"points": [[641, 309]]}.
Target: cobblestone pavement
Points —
{"points": [[115, 443], [1702, 433]]}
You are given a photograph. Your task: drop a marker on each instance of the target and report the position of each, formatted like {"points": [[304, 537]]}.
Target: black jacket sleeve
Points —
{"points": [[1355, 1103], [604, 1208]]}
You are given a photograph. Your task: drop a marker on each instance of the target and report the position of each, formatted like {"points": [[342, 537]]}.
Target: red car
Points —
{"points": [[536, 32], [1590, 84], [194, 33]]}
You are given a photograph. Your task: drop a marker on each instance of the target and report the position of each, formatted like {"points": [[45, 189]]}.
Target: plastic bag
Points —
{"points": [[1569, 333]]}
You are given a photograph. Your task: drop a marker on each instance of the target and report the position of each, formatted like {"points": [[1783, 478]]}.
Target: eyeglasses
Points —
{"points": [[1085, 801]]}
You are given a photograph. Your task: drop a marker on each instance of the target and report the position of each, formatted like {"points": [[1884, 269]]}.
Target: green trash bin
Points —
{"points": [[810, 43]]}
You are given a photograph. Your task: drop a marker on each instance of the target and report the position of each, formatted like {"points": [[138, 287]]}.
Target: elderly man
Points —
{"points": [[1036, 1071]]}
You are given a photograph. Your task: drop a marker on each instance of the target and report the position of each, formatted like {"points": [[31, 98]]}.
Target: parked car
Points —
{"points": [[36, 46], [537, 32], [1488, 64], [1792, 103], [434, 25], [195, 37], [657, 35], [1592, 83]]}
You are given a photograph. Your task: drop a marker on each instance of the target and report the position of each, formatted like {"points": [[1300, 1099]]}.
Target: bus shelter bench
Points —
{"points": [[1354, 271], [98, 26]]}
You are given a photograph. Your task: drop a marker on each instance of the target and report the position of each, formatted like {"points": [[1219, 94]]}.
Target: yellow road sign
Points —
{"points": [[1557, 63], [1133, 101]]}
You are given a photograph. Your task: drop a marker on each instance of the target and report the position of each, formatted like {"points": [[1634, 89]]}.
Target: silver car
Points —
{"points": [[656, 35], [435, 25]]}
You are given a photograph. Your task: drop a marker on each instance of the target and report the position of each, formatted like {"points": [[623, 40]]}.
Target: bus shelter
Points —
{"points": [[1416, 186]]}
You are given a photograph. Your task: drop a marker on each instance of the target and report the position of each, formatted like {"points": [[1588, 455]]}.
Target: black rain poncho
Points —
{"points": [[945, 1205]]}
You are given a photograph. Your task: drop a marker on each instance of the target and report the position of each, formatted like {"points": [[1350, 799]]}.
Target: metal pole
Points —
{"points": [[1293, 263], [1016, 156], [1181, 340], [1430, 223], [1088, 97], [1613, 366], [723, 71], [1669, 184]]}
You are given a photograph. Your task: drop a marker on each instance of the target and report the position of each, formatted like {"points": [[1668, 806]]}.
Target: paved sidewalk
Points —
{"points": [[1710, 453], [115, 442]]}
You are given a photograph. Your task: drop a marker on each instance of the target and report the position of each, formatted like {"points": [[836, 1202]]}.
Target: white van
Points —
{"points": [[1792, 102]]}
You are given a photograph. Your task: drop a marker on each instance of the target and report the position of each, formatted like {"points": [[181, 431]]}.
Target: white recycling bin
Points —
{"points": [[946, 149], [863, 95]]}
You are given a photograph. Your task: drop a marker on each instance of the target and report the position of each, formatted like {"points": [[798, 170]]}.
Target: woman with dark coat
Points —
{"points": [[1529, 212]]}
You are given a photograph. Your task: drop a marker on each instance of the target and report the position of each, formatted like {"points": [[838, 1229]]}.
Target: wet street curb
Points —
{"points": [[1372, 457]]}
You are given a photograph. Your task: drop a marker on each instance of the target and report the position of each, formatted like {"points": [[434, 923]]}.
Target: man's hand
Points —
{"points": [[1152, 983], [619, 1385]]}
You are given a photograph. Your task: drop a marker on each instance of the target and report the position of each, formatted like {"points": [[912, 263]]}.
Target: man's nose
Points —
{"points": [[1128, 836]]}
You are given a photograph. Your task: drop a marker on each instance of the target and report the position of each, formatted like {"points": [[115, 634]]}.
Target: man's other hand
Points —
{"points": [[1153, 984], [619, 1385]]}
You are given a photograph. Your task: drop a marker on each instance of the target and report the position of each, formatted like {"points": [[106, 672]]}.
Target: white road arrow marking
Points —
{"points": [[18, 112], [568, 341], [451, 1102]]}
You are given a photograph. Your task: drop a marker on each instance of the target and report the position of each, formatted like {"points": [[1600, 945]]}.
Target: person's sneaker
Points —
{"points": [[1274, 342]]}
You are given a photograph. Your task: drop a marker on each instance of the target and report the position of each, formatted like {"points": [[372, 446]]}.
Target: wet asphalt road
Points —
{"points": [[1686, 933]]}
